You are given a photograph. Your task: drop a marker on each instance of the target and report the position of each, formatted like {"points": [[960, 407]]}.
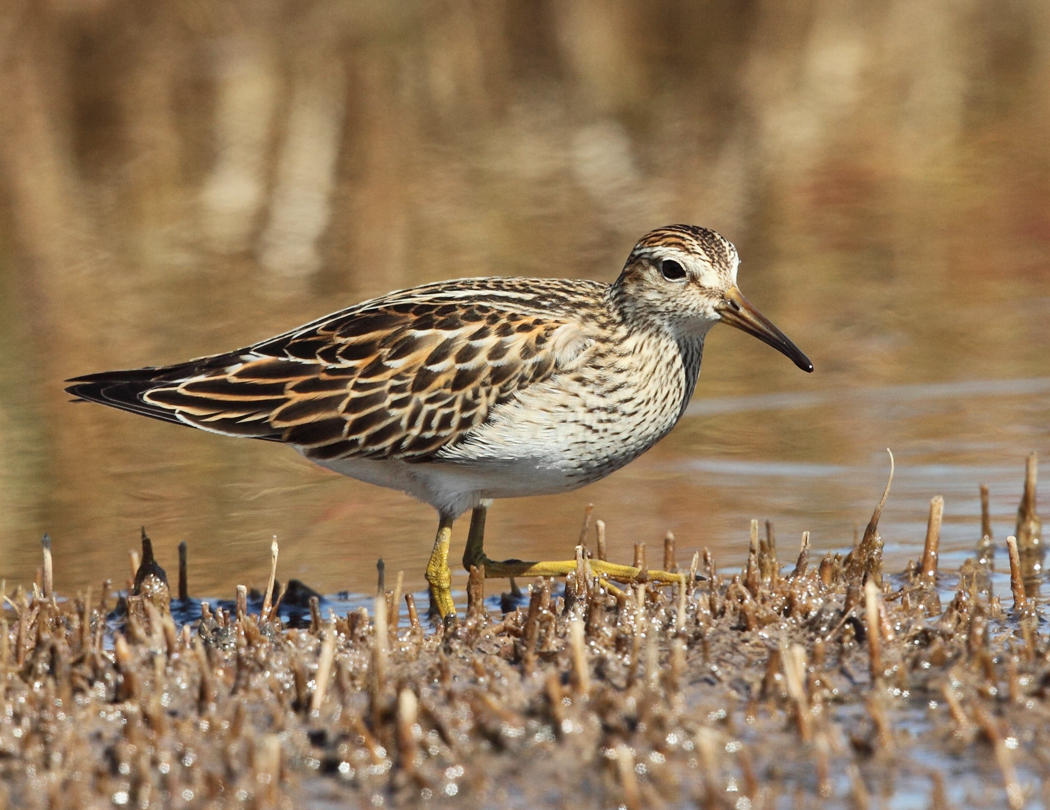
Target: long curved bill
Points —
{"points": [[737, 311]]}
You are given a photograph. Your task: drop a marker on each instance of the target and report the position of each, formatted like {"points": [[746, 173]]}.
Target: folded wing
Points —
{"points": [[391, 379]]}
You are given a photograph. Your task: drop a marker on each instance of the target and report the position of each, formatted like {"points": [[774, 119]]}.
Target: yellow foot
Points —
{"points": [[560, 568], [474, 554]]}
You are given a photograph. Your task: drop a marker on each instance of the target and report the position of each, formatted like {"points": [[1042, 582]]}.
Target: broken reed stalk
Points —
{"points": [[128, 688], [793, 659], [581, 676], [280, 598], [1029, 526], [395, 603], [184, 588], [769, 566], [822, 753], [5, 641], [802, 563], [377, 674], [585, 529], [930, 550], [324, 667], [407, 716], [1015, 797], [267, 604], [694, 567], [268, 766], [242, 603], [955, 709], [986, 515], [1016, 576], [413, 613], [676, 666], [582, 581], [861, 797], [865, 560], [476, 591], [986, 545], [531, 631], [938, 793], [652, 661], [85, 623], [772, 675], [827, 570], [48, 575], [1028, 523], [752, 576], [680, 613], [632, 798], [708, 745], [670, 563], [314, 604], [876, 706], [871, 616], [600, 544]]}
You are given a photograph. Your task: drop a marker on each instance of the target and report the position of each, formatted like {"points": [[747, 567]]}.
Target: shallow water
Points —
{"points": [[889, 205], [705, 486]]}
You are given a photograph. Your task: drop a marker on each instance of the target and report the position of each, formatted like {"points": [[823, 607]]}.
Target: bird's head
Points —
{"points": [[682, 278]]}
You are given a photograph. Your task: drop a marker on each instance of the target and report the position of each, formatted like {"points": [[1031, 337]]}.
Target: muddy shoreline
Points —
{"points": [[823, 682]]}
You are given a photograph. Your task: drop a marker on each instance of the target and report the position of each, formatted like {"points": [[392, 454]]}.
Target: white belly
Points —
{"points": [[452, 487]]}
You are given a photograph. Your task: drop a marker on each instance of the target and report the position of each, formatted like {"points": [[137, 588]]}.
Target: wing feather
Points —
{"points": [[399, 377]]}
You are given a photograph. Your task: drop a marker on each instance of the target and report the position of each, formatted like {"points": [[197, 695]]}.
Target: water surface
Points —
{"points": [[884, 179]]}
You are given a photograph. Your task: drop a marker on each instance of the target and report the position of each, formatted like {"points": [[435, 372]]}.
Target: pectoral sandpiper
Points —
{"points": [[463, 391]]}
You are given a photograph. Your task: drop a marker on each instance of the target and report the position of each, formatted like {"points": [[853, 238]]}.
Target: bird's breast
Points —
{"points": [[585, 422]]}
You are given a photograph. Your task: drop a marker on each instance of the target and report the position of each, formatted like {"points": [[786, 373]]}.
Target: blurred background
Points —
{"points": [[182, 178]]}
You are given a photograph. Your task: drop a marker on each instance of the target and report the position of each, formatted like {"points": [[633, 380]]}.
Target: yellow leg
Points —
{"points": [[439, 578], [474, 554]]}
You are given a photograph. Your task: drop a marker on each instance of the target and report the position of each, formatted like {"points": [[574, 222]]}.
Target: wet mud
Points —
{"points": [[801, 682]]}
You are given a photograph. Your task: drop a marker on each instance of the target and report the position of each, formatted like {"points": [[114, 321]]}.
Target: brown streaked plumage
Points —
{"points": [[463, 391]]}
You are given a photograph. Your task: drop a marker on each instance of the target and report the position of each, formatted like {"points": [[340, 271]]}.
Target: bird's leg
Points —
{"points": [[474, 554], [439, 578]]}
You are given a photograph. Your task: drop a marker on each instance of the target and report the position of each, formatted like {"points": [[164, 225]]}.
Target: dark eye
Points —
{"points": [[672, 270]]}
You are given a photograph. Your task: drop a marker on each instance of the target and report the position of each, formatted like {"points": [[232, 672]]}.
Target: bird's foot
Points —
{"points": [[560, 568]]}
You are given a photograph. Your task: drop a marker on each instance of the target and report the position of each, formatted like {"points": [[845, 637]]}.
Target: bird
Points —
{"points": [[464, 391]]}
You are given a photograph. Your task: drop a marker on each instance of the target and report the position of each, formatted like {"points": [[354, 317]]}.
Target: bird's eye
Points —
{"points": [[672, 270]]}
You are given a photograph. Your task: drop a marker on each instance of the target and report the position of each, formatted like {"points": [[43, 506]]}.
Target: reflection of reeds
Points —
{"points": [[273, 134]]}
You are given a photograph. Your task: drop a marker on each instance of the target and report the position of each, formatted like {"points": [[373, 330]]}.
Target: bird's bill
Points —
{"points": [[737, 311]]}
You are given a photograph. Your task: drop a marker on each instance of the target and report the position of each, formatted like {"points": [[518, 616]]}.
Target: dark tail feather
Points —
{"points": [[126, 390], [123, 390]]}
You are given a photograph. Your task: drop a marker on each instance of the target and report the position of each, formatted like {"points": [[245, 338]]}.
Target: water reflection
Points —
{"points": [[172, 187]]}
